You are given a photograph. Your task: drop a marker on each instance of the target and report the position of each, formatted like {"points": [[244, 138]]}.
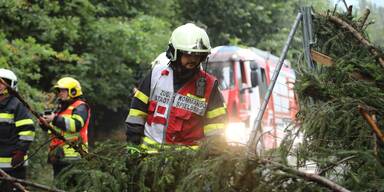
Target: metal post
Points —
{"points": [[252, 140], [308, 39]]}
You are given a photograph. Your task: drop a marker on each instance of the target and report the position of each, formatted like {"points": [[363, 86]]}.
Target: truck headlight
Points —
{"points": [[237, 133]]}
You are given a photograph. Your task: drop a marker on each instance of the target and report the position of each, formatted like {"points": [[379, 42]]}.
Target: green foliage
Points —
{"points": [[118, 49], [105, 171], [250, 21], [283, 21], [41, 41], [162, 9], [23, 57], [108, 46], [255, 23], [38, 169], [336, 137], [113, 42], [214, 167]]}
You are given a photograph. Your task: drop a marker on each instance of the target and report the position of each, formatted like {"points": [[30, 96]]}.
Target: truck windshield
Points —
{"points": [[223, 71]]}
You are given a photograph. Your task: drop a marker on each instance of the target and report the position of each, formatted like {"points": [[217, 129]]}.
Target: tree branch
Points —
{"points": [[358, 36], [372, 123], [29, 183], [307, 176], [321, 172], [363, 19], [5, 176], [345, 4]]}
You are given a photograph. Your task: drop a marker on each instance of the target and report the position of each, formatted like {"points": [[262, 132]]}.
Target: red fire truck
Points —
{"points": [[244, 75]]}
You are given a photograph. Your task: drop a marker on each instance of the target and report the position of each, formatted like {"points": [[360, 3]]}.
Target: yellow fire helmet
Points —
{"points": [[71, 84]]}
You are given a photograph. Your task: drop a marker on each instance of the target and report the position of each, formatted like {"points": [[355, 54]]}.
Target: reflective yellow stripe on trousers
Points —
{"points": [[150, 146]]}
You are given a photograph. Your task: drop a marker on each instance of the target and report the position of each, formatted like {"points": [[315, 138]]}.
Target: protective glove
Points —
{"points": [[17, 158], [43, 124]]}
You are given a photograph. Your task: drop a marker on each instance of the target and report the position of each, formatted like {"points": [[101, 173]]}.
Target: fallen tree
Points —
{"points": [[342, 105], [214, 167]]}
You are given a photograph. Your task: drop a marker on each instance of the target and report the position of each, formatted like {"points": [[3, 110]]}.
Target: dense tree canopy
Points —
{"points": [[46, 40]]}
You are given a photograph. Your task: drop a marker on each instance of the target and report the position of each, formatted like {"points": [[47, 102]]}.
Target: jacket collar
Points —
{"points": [[5, 101]]}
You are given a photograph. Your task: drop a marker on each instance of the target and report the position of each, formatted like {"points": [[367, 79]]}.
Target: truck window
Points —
{"points": [[242, 70], [281, 94], [223, 71], [263, 77], [263, 85], [237, 65]]}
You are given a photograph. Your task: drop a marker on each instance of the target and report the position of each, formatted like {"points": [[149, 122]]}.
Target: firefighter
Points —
{"points": [[17, 131], [178, 103], [71, 119]]}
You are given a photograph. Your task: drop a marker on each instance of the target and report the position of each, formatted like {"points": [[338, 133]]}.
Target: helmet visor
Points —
{"points": [[194, 53], [57, 90], [203, 55], [7, 81]]}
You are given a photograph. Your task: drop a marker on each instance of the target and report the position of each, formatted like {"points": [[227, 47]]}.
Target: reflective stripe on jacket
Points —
{"points": [[150, 146], [176, 118], [70, 133], [17, 129]]}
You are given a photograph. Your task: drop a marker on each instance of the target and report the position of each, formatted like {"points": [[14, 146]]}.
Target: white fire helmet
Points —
{"points": [[9, 76], [190, 39]]}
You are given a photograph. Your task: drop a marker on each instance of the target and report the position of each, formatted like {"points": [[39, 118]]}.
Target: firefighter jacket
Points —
{"points": [[167, 112], [72, 122], [17, 130]]}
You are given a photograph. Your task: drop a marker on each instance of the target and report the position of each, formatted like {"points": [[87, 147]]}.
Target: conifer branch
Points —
{"points": [[321, 172], [307, 176], [358, 36]]}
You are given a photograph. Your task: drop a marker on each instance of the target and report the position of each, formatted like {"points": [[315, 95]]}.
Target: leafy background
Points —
{"points": [[108, 46]]}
